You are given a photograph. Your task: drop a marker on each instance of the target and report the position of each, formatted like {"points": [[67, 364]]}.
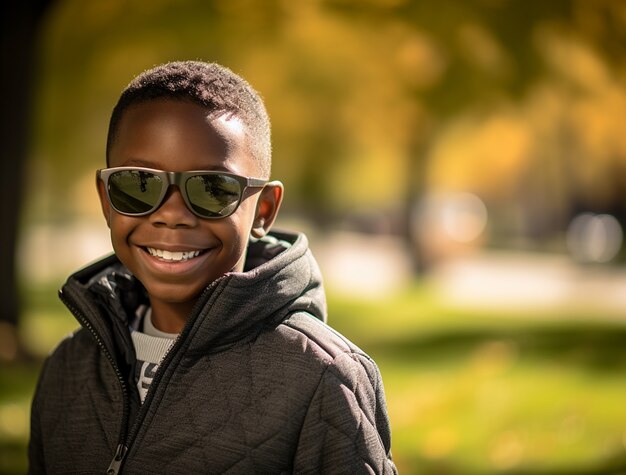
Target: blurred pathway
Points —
{"points": [[374, 266], [530, 281]]}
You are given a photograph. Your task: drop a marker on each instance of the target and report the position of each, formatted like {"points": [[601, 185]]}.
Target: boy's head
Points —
{"points": [[178, 231], [210, 85]]}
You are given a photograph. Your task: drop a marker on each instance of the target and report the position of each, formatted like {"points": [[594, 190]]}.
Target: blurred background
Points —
{"points": [[459, 167]]}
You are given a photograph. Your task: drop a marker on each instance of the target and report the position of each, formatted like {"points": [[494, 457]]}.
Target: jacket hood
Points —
{"points": [[281, 277], [284, 279]]}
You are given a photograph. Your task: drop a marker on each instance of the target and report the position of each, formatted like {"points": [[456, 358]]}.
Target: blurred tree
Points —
{"points": [[491, 58], [478, 60], [20, 25]]}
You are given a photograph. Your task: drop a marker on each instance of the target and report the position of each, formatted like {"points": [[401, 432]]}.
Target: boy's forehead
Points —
{"points": [[168, 126]]}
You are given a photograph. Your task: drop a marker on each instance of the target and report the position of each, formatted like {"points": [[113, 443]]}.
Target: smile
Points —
{"points": [[173, 256]]}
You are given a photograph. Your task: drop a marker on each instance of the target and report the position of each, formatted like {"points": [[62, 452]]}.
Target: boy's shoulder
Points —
{"points": [[329, 342], [72, 349], [320, 348], [68, 365]]}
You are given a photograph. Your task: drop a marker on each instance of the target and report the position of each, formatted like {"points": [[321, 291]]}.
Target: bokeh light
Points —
{"points": [[594, 237]]}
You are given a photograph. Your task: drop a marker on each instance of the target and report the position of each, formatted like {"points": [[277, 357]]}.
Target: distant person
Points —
{"points": [[203, 347]]}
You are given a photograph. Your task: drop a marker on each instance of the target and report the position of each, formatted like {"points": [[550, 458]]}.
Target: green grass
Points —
{"points": [[468, 392], [478, 392]]}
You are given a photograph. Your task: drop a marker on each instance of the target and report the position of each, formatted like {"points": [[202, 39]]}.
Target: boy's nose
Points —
{"points": [[173, 211]]}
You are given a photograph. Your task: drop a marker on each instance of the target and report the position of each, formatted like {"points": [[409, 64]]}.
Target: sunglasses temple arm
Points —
{"points": [[257, 182]]}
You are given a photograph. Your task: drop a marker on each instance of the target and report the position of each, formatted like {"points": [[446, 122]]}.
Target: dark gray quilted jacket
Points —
{"points": [[256, 382]]}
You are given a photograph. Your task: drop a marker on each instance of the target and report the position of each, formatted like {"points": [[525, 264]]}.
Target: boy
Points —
{"points": [[202, 347]]}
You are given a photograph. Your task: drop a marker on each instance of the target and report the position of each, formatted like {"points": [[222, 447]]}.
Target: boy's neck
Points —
{"points": [[170, 317]]}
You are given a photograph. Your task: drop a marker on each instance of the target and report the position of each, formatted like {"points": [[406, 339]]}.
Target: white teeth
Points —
{"points": [[173, 256]]}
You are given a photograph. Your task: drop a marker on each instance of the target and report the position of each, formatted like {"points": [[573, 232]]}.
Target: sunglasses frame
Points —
{"points": [[179, 179]]}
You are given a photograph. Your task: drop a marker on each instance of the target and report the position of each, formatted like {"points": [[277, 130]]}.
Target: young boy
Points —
{"points": [[203, 347]]}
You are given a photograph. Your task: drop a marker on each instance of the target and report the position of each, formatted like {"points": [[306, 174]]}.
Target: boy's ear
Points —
{"points": [[267, 208], [104, 202]]}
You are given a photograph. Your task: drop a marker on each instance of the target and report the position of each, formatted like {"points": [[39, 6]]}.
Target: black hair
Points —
{"points": [[209, 85]]}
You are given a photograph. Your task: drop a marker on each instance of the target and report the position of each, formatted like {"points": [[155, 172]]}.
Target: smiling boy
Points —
{"points": [[203, 347]]}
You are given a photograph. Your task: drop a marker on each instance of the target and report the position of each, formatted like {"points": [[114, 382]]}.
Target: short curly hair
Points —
{"points": [[209, 85]]}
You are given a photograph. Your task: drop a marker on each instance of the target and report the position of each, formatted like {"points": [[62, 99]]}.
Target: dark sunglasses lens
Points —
{"points": [[134, 191], [213, 196]]}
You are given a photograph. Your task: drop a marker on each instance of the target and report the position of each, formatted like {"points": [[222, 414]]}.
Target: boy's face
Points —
{"points": [[178, 136]]}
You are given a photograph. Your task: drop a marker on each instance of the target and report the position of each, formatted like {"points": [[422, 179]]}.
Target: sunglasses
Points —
{"points": [[136, 191]]}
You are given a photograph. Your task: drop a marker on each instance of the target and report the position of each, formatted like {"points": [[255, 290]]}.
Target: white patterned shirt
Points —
{"points": [[151, 346]]}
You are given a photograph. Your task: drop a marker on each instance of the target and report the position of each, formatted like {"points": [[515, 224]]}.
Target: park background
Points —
{"points": [[459, 167]]}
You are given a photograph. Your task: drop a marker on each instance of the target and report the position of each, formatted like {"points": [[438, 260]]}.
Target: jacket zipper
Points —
{"points": [[116, 463], [121, 449]]}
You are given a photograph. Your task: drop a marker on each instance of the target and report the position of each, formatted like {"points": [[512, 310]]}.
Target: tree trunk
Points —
{"points": [[21, 22]]}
